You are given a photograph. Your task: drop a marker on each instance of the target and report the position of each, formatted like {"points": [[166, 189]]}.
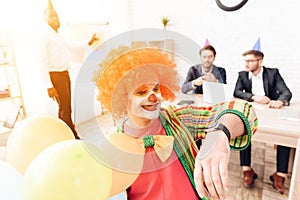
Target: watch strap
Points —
{"points": [[223, 128]]}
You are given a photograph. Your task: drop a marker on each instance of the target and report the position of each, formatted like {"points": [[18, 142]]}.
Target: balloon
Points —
{"points": [[121, 179], [31, 136], [10, 182], [66, 170], [120, 196]]}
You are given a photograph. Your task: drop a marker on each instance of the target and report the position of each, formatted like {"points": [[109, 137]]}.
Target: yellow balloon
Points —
{"points": [[122, 179], [66, 170], [31, 136]]}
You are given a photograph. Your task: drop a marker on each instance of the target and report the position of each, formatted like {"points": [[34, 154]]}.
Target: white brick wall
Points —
{"points": [[232, 33]]}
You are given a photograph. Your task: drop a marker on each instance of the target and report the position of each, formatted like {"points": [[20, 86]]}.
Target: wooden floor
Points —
{"points": [[263, 159], [264, 164]]}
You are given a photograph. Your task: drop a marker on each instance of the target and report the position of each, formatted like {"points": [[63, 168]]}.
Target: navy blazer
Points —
{"points": [[274, 86], [195, 72]]}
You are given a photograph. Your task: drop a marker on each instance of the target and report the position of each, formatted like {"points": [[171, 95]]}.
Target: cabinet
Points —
{"points": [[167, 45], [11, 99]]}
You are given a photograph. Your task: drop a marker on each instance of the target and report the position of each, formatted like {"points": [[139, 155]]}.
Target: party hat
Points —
{"points": [[206, 42], [257, 46], [50, 6], [49, 10]]}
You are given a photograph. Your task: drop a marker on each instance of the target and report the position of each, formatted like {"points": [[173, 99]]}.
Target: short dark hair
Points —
{"points": [[208, 47], [257, 54]]}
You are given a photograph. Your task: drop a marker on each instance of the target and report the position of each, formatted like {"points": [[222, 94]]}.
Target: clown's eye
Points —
{"points": [[145, 89], [156, 88], [141, 92]]}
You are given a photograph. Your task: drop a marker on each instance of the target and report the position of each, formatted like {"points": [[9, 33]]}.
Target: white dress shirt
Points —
{"points": [[257, 83], [55, 53]]}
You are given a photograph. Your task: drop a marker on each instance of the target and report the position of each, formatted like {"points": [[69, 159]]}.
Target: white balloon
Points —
{"points": [[10, 182]]}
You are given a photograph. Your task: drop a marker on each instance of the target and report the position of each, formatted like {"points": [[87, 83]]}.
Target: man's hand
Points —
{"points": [[210, 77], [275, 104], [52, 93], [261, 99], [211, 166], [198, 81], [93, 39]]}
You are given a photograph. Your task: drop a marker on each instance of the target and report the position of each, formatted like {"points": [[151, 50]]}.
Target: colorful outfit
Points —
{"points": [[173, 179]]}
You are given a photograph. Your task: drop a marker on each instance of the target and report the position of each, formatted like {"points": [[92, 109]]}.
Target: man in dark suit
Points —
{"points": [[204, 71], [266, 86]]}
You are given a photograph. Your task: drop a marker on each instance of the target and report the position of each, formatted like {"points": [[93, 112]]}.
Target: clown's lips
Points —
{"points": [[151, 107]]}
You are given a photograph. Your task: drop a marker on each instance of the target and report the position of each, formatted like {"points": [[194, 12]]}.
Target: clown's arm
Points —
{"points": [[211, 167], [211, 164]]}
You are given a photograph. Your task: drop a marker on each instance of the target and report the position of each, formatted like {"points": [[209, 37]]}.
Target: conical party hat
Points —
{"points": [[206, 42], [257, 46]]}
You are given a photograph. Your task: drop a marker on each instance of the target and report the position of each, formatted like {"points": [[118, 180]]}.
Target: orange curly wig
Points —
{"points": [[124, 73]]}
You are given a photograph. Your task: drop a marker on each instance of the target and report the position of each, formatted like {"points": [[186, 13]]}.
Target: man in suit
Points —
{"points": [[205, 71], [265, 86]]}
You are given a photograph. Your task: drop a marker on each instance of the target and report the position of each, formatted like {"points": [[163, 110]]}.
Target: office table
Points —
{"points": [[275, 127]]}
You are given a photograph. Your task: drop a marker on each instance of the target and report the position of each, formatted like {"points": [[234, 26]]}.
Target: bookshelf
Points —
{"points": [[11, 98]]}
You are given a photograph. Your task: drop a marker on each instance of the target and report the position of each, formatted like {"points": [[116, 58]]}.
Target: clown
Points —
{"points": [[137, 86]]}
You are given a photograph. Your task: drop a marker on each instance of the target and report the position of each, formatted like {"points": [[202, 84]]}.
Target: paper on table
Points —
{"points": [[288, 114]]}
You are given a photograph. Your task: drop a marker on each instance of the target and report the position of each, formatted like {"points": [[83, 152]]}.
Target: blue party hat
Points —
{"points": [[257, 46]]}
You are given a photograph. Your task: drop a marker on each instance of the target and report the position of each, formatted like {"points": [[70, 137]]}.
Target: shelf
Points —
{"points": [[11, 94], [9, 98], [165, 45], [7, 65]]}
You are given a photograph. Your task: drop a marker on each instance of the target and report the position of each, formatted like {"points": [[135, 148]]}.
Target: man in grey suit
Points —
{"points": [[204, 71], [265, 86]]}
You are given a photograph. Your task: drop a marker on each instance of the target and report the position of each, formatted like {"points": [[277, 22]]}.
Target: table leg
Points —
{"points": [[295, 181]]}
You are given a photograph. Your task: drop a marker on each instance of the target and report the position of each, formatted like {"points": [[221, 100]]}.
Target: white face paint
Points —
{"points": [[145, 102]]}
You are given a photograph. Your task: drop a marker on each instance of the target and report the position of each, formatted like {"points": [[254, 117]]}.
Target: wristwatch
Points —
{"points": [[219, 126]]}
